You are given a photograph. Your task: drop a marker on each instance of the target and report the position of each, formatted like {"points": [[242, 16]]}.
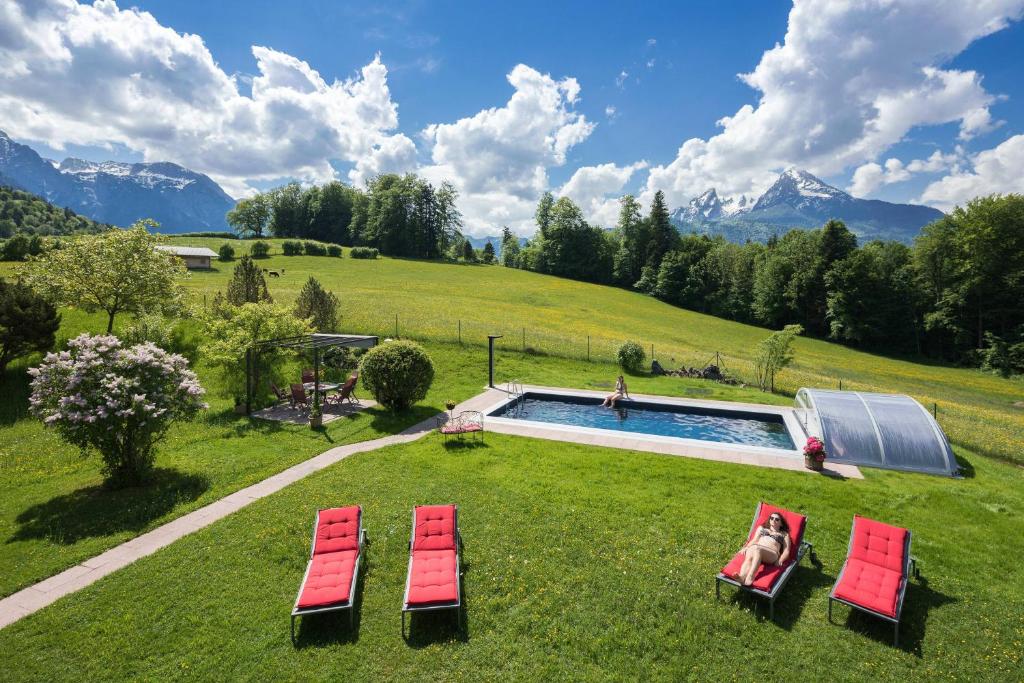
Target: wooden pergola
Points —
{"points": [[316, 342]]}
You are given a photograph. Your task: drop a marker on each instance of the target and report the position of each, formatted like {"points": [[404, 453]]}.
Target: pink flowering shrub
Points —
{"points": [[119, 401], [815, 449]]}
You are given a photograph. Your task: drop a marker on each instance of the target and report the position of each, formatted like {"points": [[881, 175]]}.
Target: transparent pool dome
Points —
{"points": [[891, 431]]}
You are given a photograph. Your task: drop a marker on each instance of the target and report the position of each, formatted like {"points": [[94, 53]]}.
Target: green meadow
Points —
{"points": [[582, 559]]}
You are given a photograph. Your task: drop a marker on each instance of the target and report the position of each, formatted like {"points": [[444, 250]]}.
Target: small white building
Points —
{"points": [[194, 257]]}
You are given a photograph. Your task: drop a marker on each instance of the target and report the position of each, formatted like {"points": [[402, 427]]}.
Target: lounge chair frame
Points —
{"points": [[457, 605], [473, 417], [350, 603], [803, 548], [909, 567]]}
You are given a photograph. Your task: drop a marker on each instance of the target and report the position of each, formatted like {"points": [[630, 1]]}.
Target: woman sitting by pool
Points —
{"points": [[770, 545], [621, 392]]}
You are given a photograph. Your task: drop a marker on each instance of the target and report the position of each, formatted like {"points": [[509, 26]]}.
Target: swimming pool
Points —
{"points": [[700, 423]]}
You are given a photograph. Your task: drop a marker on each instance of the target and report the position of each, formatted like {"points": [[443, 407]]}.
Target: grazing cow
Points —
{"points": [[274, 273]]}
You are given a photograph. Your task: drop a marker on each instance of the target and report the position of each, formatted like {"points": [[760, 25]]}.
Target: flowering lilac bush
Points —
{"points": [[119, 401]]}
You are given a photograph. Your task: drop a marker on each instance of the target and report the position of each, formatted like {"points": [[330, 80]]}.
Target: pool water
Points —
{"points": [[685, 422]]}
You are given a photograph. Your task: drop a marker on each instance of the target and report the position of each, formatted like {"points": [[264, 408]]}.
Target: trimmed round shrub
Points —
{"points": [[226, 252], [631, 357], [397, 373], [364, 252], [334, 250], [314, 249], [291, 248], [259, 250]]}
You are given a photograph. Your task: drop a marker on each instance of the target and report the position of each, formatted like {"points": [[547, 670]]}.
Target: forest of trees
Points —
{"points": [[399, 215], [24, 212], [956, 294]]}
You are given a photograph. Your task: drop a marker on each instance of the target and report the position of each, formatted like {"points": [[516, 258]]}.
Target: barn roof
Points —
{"points": [[188, 251]]}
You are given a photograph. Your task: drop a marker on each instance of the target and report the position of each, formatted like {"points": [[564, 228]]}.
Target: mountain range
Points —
{"points": [[797, 199], [118, 193]]}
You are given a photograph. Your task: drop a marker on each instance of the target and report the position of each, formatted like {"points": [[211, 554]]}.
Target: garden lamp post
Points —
{"points": [[490, 358]]}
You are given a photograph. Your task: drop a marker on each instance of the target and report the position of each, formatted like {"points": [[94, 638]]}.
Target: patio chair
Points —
{"points": [[466, 422], [433, 581], [299, 396], [332, 572], [874, 577], [770, 579], [281, 395], [345, 393], [308, 376]]}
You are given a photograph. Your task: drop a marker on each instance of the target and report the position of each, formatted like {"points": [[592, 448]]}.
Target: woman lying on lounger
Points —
{"points": [[770, 545], [620, 392]]}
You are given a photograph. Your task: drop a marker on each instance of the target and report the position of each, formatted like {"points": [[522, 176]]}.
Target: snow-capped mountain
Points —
{"points": [[709, 206], [798, 199], [116, 192]]}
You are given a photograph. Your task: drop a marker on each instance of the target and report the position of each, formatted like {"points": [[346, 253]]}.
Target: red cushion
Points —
{"points": [[878, 544], [434, 578], [337, 529], [434, 527], [461, 428], [329, 581], [768, 574], [870, 586]]}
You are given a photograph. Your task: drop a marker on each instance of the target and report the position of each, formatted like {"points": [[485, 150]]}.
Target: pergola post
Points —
{"points": [[316, 376]]}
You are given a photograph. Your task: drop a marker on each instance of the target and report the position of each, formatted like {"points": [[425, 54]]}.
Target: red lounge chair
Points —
{"points": [[874, 577], [333, 569], [466, 422], [435, 546], [770, 579]]}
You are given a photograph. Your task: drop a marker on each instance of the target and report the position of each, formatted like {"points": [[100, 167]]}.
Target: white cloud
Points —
{"points": [[996, 170], [977, 122], [651, 42], [650, 63], [850, 80], [100, 75], [620, 80], [596, 190], [610, 112], [870, 176], [498, 158]]}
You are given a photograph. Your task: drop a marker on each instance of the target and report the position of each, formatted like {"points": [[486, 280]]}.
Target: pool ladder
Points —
{"points": [[515, 389]]}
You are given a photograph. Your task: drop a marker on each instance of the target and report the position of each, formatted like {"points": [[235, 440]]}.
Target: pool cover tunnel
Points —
{"points": [[891, 431]]}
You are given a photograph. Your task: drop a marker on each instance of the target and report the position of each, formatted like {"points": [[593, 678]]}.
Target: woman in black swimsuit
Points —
{"points": [[770, 545]]}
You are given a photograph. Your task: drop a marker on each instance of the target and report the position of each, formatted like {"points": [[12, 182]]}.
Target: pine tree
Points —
{"points": [[27, 322], [318, 305], [247, 284], [509, 248], [468, 252], [488, 256], [663, 237]]}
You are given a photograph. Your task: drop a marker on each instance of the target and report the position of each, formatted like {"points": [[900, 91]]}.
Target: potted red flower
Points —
{"points": [[814, 454]]}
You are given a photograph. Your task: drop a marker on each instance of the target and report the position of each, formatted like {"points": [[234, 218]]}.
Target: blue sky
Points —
{"points": [[901, 100]]}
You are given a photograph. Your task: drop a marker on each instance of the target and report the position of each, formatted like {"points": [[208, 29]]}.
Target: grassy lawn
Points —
{"points": [[54, 511], [433, 299], [581, 562]]}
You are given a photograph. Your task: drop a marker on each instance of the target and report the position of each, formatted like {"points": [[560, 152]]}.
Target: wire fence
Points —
{"points": [[521, 338]]}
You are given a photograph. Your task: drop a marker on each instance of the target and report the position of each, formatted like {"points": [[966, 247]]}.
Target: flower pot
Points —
{"points": [[316, 421], [813, 463], [239, 409]]}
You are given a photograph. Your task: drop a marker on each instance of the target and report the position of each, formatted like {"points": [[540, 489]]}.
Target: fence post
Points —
{"points": [[524, 340], [396, 326], [588, 348], [935, 411], [840, 385], [460, 332]]}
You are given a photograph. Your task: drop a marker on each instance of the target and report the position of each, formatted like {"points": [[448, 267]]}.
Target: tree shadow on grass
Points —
{"points": [[388, 422], [440, 626], [100, 511], [919, 599]]}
